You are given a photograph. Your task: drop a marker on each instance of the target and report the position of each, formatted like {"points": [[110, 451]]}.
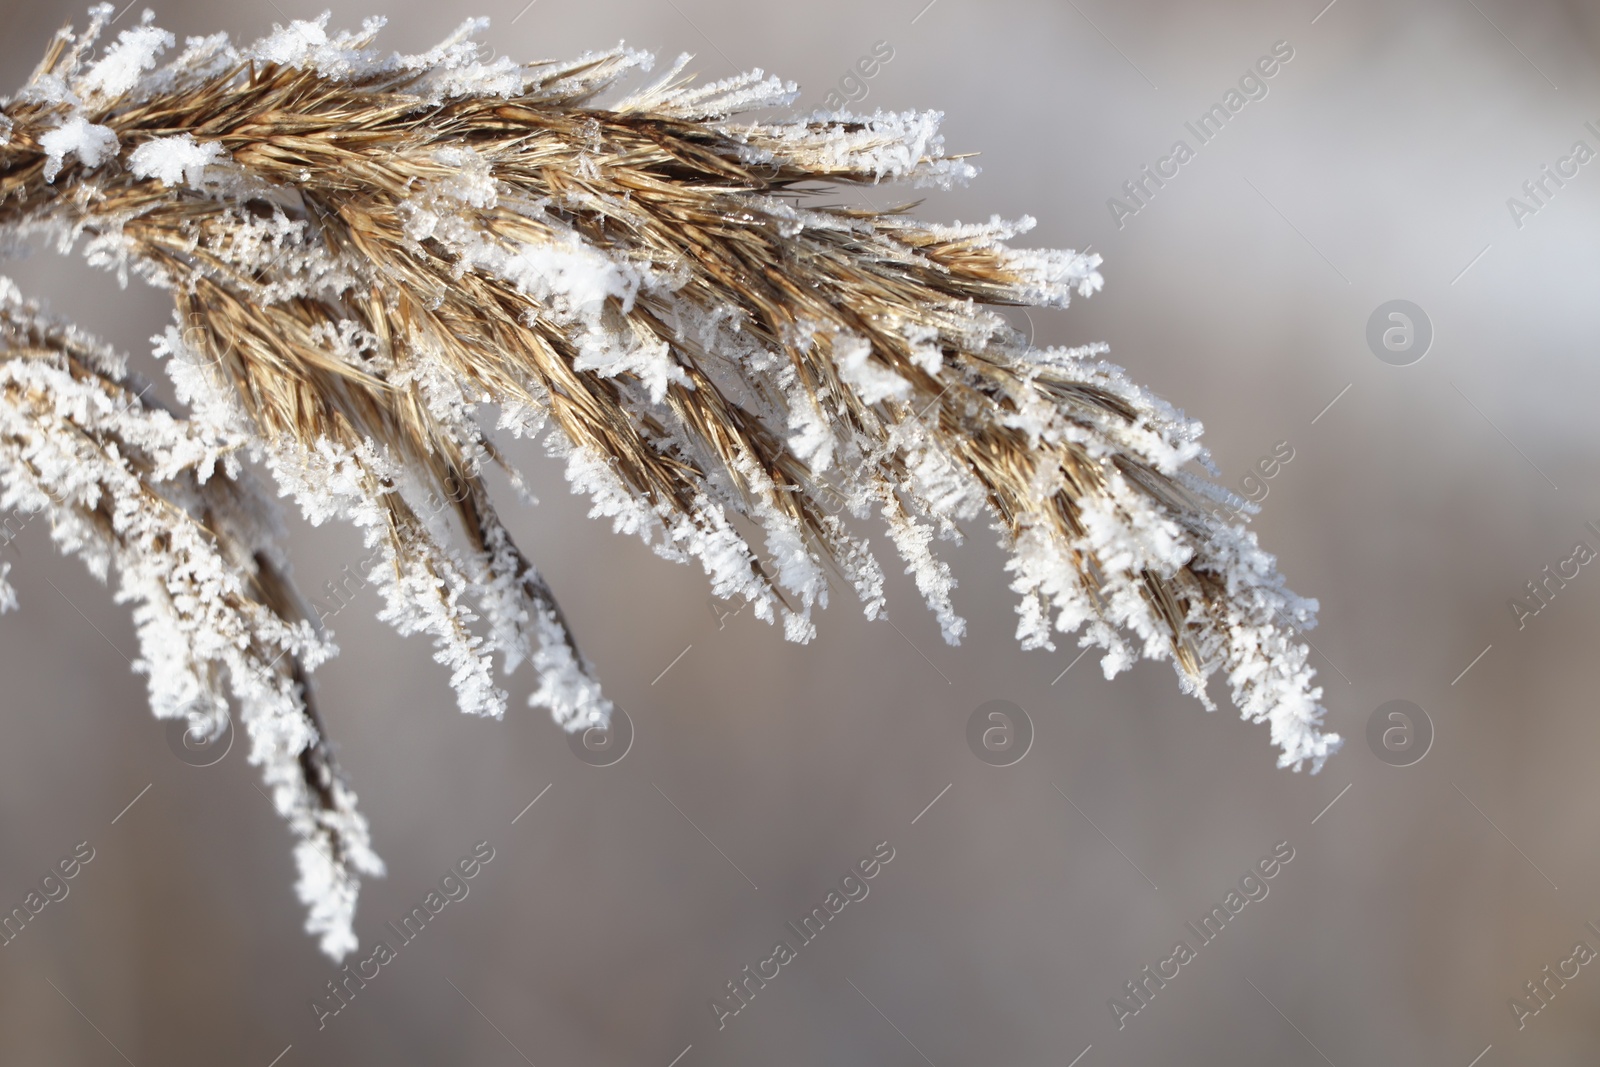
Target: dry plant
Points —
{"points": [[374, 257]]}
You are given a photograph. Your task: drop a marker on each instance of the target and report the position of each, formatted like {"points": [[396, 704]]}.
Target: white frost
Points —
{"points": [[870, 379], [92, 144], [119, 70], [175, 160]]}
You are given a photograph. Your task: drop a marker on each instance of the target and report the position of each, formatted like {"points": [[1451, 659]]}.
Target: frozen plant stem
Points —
{"points": [[366, 251]]}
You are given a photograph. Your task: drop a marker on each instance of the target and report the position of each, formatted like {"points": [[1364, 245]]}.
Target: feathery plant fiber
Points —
{"points": [[374, 256]]}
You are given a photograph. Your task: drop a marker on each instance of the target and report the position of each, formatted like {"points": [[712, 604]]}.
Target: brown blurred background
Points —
{"points": [[1377, 167]]}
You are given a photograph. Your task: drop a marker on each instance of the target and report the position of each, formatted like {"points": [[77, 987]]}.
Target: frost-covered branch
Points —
{"points": [[139, 493], [375, 255]]}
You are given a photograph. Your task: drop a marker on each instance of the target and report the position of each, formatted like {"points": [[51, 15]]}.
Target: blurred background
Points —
{"points": [[1377, 167]]}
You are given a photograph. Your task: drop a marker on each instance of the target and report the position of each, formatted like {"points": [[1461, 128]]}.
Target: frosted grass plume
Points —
{"points": [[371, 252]]}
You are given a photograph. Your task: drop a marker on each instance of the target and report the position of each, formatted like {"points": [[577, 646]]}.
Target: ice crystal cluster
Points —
{"points": [[378, 261]]}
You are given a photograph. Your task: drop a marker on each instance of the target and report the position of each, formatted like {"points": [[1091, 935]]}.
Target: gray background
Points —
{"points": [[1414, 508]]}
